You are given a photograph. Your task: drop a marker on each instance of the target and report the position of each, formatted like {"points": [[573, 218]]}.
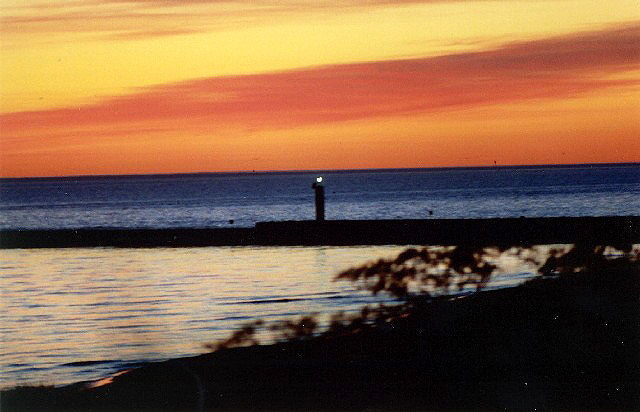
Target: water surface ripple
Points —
{"points": [[75, 314]]}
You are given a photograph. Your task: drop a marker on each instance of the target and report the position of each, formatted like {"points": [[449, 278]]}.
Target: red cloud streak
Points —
{"points": [[551, 68]]}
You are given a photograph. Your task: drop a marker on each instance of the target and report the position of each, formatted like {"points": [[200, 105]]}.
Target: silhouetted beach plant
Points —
{"points": [[583, 257], [418, 276], [245, 336], [425, 271]]}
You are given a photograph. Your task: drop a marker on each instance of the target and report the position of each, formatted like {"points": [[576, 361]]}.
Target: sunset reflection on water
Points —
{"points": [[78, 314]]}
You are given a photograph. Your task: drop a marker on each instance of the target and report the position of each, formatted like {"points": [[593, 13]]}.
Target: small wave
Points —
{"points": [[295, 298], [86, 363], [137, 327], [260, 302], [231, 318]]}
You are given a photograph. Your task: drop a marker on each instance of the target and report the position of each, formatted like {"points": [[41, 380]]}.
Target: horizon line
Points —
{"points": [[291, 171]]}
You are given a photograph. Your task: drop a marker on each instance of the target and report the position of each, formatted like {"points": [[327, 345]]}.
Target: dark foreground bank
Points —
{"points": [[511, 231], [571, 343]]}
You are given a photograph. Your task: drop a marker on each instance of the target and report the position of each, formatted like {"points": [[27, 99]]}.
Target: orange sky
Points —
{"points": [[167, 86]]}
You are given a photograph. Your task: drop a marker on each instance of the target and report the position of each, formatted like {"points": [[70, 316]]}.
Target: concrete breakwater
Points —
{"points": [[495, 231]]}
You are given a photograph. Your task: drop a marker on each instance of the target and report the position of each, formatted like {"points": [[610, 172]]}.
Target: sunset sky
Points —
{"points": [[170, 86]]}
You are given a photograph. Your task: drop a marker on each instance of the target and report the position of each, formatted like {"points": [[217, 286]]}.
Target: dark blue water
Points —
{"points": [[207, 200]]}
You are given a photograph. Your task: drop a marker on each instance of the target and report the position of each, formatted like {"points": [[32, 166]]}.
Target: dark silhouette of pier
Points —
{"points": [[612, 230]]}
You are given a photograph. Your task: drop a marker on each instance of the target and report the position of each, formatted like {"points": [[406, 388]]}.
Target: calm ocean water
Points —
{"points": [[69, 315], [214, 199]]}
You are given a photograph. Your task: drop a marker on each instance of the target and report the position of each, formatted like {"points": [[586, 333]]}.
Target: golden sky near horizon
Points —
{"points": [[169, 86]]}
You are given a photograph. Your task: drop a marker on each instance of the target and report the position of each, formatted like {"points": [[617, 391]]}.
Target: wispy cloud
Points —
{"points": [[123, 19], [115, 21], [546, 69]]}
